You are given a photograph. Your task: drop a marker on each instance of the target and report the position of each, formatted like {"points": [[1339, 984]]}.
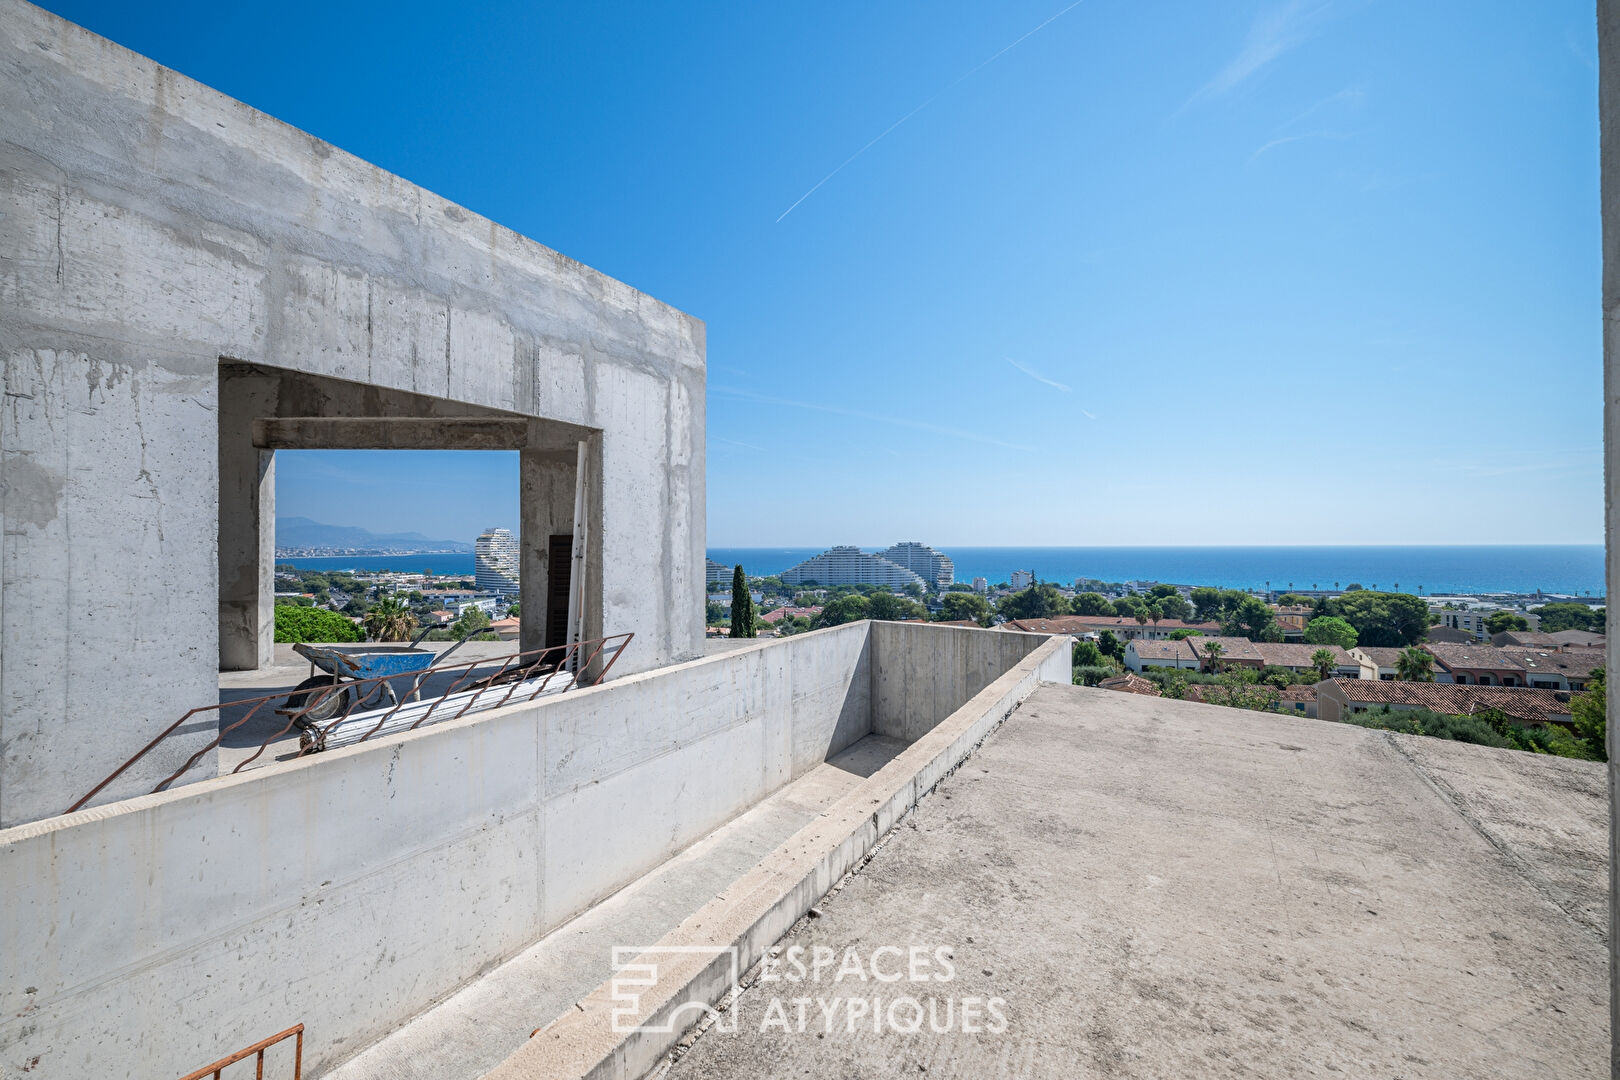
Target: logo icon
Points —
{"points": [[635, 969]]}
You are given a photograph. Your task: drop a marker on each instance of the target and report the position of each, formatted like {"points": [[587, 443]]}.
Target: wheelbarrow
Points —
{"points": [[319, 698]]}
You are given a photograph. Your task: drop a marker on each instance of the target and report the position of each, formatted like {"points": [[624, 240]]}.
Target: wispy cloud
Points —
{"points": [[877, 418], [1284, 140], [1038, 377], [997, 55], [1087, 415], [1270, 36]]}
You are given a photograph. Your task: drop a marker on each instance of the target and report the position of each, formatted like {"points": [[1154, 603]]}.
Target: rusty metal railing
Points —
{"points": [[318, 712], [297, 1030]]}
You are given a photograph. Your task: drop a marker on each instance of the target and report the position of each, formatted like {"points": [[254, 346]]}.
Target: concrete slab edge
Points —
{"points": [[760, 907]]}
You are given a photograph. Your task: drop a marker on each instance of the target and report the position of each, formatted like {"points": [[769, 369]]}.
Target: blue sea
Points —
{"points": [[1565, 568]]}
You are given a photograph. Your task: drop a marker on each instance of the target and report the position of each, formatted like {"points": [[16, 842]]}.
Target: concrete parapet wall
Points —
{"points": [[350, 890], [921, 673]]}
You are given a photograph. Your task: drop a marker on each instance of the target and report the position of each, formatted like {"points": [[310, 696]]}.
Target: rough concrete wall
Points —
{"points": [[352, 889], [149, 227], [1608, 20], [921, 673]]}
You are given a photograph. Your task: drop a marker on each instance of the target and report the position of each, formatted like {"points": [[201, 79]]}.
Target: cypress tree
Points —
{"points": [[742, 605]]}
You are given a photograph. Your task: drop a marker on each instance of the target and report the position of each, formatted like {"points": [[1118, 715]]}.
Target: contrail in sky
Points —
{"points": [[950, 86]]}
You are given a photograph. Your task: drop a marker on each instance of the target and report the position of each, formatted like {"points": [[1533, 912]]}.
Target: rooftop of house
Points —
{"points": [[1151, 651], [1525, 638], [1131, 683], [1577, 637], [1532, 705], [1232, 648], [1382, 655], [1288, 894], [1571, 663], [1471, 657], [1300, 656]]}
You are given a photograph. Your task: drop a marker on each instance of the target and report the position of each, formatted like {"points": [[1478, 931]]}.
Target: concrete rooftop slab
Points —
{"points": [[1163, 888]]}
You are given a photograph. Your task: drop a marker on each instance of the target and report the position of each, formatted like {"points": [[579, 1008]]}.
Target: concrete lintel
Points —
{"points": [[389, 433]]}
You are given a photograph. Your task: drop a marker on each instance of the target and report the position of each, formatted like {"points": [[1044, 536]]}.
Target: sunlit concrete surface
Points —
{"points": [[1161, 888]]}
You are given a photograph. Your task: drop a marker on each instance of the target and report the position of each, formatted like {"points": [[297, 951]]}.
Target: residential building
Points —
{"points": [[1292, 620], [1235, 652], [1170, 654], [849, 565], [1297, 658], [1021, 579], [1524, 639], [1578, 639], [930, 565], [1377, 661], [1122, 628], [776, 615], [1450, 635], [1337, 698], [980, 585], [716, 573], [1562, 669], [496, 559], [1481, 665]]}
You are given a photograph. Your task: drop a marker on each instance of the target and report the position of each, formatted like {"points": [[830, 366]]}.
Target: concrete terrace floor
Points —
{"points": [[1162, 888]]}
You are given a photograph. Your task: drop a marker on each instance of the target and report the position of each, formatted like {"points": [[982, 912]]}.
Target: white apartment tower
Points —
{"points": [[849, 565], [932, 566], [496, 559]]}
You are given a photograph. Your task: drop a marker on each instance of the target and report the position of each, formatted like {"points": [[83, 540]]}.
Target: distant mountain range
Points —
{"points": [[299, 533]]}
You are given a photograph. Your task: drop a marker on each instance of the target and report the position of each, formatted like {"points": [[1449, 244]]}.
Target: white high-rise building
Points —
{"points": [[496, 559], [980, 585], [1022, 579], [850, 565], [932, 566]]}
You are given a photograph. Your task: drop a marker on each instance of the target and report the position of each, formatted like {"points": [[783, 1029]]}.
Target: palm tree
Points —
{"points": [[1414, 665], [1155, 612], [1212, 654], [1324, 662], [390, 620]]}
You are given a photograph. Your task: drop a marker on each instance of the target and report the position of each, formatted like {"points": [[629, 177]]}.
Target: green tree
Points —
{"points": [[913, 590], [742, 606], [1090, 603], [1184, 633], [1383, 619], [1324, 662], [1561, 616], [512, 611], [1249, 619], [1331, 630], [1111, 646], [892, 608], [472, 622], [714, 614], [1159, 592], [1293, 600], [1272, 633], [1500, 622], [1589, 715], [1174, 607], [390, 620], [1206, 604], [840, 610], [1126, 607], [313, 624], [1035, 602], [1086, 654], [956, 606], [1414, 665]]}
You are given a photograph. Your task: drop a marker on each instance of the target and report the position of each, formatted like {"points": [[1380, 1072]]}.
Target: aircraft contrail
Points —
{"points": [[937, 94]]}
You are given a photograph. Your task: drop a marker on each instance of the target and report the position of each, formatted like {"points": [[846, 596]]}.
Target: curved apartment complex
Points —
{"points": [[849, 565], [496, 560]]}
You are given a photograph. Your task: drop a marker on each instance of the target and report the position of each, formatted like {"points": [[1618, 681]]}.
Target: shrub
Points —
{"points": [[313, 624], [1092, 674]]}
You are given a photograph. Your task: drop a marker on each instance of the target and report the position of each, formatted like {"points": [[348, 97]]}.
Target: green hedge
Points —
{"points": [[313, 624]]}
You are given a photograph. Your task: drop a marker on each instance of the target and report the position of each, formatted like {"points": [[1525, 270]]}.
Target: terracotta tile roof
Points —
{"points": [[1571, 663], [1382, 655], [1577, 637], [1455, 655], [1232, 648], [1528, 639], [1299, 656], [776, 615], [1534, 706], [1131, 683], [1156, 651]]}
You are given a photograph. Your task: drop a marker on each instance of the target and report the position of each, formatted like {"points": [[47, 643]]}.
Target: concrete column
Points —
{"points": [[546, 482], [1608, 19], [247, 524]]}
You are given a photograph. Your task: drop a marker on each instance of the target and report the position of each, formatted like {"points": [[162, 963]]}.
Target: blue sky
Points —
{"points": [[1216, 272]]}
